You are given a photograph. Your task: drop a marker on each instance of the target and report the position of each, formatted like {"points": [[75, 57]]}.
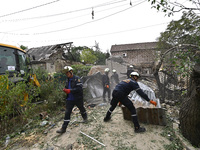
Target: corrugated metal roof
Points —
{"points": [[41, 52], [147, 90], [44, 52], [134, 46]]}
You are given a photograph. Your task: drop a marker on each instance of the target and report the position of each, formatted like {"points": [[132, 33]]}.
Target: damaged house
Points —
{"points": [[141, 55], [51, 58]]}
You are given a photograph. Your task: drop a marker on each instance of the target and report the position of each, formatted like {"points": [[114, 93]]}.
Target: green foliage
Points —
{"points": [[163, 6], [88, 56], [13, 98], [81, 70], [60, 77], [101, 57], [181, 32], [52, 93], [168, 131], [175, 145], [75, 53], [14, 102], [15, 111], [169, 8], [23, 47], [41, 74]]}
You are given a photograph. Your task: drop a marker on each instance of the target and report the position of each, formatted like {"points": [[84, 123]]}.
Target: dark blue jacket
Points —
{"points": [[128, 85], [105, 80], [115, 77], [76, 87]]}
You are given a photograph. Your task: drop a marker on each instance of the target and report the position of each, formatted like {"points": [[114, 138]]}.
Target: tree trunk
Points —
{"points": [[160, 87], [190, 110]]}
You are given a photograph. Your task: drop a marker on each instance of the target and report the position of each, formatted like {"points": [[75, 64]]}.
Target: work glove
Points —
{"points": [[67, 91], [153, 102]]}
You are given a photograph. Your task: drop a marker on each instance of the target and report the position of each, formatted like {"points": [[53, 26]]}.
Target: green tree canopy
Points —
{"points": [[169, 7], [87, 56], [185, 30], [101, 57], [184, 35], [74, 53]]}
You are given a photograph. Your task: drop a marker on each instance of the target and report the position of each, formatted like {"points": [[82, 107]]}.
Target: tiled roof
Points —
{"points": [[134, 46]]}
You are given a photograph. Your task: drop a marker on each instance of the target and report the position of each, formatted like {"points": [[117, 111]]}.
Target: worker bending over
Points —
{"points": [[120, 94]]}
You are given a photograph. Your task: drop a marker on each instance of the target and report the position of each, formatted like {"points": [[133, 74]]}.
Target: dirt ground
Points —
{"points": [[117, 134]]}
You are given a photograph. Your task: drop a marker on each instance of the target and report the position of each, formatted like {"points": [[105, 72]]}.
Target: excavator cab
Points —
{"points": [[13, 60], [15, 63]]}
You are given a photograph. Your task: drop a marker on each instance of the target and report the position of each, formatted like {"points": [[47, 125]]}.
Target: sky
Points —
{"points": [[35, 23]]}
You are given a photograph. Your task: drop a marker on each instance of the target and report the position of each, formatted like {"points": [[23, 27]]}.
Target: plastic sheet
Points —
{"points": [[140, 102]]}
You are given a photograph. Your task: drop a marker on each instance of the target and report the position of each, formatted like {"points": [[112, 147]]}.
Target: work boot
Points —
{"points": [[61, 131], [139, 129], [106, 119], [85, 120], [84, 116]]}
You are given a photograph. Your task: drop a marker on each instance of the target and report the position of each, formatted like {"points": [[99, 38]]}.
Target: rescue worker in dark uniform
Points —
{"points": [[106, 85], [115, 76], [114, 79], [120, 94], [74, 91], [129, 70]]}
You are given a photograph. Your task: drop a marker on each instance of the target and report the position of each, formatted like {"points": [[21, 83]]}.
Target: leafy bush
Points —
{"points": [[81, 70], [60, 77], [15, 100], [16, 109], [42, 74], [51, 92]]}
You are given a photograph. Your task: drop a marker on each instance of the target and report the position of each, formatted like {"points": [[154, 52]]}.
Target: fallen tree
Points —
{"points": [[189, 110]]}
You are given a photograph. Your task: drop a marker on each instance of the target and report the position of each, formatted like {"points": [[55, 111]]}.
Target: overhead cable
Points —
{"points": [[76, 25], [105, 34], [77, 17], [29, 8], [90, 21], [53, 15]]}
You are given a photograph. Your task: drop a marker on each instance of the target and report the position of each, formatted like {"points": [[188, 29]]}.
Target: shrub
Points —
{"points": [[81, 70]]}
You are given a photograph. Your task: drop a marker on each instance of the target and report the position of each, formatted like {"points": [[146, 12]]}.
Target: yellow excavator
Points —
{"points": [[14, 64]]}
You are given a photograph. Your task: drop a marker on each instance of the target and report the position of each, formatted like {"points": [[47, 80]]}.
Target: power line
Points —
{"points": [[53, 15], [90, 21], [65, 19], [29, 8], [79, 24], [119, 31], [105, 34]]}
